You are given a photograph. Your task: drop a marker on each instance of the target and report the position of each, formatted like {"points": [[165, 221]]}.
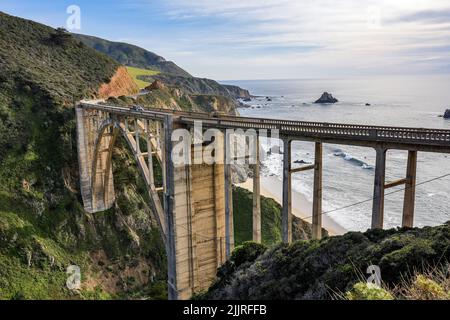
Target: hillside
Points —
{"points": [[132, 56], [330, 267], [43, 226], [167, 72]]}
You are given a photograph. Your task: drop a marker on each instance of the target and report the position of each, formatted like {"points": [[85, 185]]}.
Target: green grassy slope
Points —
{"points": [[138, 73]]}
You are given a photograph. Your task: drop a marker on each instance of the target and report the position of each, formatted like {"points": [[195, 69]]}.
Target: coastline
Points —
{"points": [[271, 187]]}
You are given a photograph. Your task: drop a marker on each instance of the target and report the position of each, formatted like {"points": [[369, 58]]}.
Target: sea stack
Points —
{"points": [[327, 98], [447, 114]]}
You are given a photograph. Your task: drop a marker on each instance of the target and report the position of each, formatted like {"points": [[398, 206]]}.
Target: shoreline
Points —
{"points": [[271, 187]]}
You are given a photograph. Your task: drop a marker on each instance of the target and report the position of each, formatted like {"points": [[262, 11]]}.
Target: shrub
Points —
{"points": [[368, 291]]}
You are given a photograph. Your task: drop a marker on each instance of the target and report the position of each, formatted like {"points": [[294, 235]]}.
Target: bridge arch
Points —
{"points": [[101, 168]]}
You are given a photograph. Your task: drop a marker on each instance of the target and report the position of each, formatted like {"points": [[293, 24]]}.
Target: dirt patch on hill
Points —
{"points": [[121, 84]]}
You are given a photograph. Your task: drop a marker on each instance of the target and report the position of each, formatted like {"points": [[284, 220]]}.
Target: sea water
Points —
{"points": [[348, 174]]}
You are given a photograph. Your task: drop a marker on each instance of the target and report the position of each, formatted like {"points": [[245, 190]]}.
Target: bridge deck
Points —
{"points": [[419, 139]]}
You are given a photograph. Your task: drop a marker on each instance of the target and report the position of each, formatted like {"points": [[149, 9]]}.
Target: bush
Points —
{"points": [[247, 252], [368, 291]]}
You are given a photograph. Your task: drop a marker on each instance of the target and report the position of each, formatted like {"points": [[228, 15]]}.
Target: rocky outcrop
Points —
{"points": [[156, 85], [327, 98], [121, 84], [447, 114], [237, 92]]}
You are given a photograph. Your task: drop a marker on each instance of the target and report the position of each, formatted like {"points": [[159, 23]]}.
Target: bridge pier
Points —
{"points": [[229, 223], [169, 209], [286, 219], [256, 196], [317, 197], [410, 190], [379, 185]]}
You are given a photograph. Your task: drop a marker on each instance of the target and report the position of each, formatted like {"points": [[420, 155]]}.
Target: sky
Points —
{"points": [[267, 39]]}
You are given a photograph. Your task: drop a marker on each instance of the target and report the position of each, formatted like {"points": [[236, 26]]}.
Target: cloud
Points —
{"points": [[426, 16], [345, 36]]}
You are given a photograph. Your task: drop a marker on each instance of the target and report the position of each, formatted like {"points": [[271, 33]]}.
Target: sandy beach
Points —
{"points": [[271, 187]]}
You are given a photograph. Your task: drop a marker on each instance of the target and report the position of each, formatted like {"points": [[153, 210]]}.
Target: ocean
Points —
{"points": [[411, 101]]}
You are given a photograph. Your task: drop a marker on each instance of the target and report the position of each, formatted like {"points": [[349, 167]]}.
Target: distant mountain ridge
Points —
{"points": [[132, 56]]}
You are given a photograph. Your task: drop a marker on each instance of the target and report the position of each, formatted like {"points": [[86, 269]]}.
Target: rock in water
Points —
{"points": [[447, 114], [327, 98]]}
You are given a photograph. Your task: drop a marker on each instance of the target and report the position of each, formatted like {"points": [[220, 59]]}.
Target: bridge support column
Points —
{"points": [[286, 220], [149, 153], [256, 196], [229, 223], [378, 193], [317, 200], [410, 190], [169, 209]]}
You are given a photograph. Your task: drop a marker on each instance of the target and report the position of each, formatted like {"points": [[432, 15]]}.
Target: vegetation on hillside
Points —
{"points": [[43, 226], [314, 269]]}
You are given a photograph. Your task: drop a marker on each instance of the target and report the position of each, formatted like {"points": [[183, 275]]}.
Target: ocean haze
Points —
{"points": [[407, 101]]}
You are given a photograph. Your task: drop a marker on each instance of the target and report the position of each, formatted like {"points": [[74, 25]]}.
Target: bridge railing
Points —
{"points": [[334, 130]]}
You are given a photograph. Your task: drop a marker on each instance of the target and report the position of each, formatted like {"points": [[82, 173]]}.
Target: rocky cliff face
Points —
{"points": [[238, 92], [121, 84]]}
